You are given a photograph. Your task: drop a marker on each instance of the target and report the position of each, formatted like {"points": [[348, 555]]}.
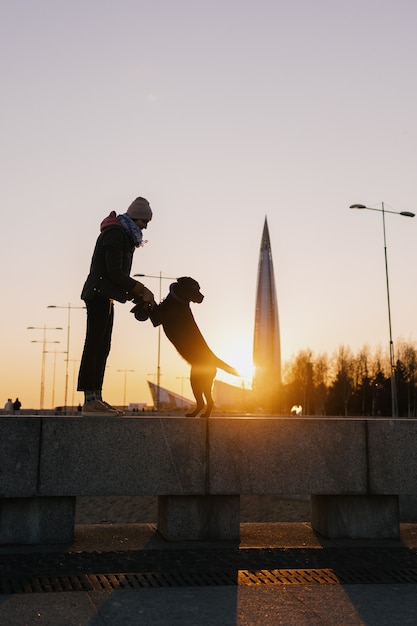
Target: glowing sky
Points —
{"points": [[219, 113]]}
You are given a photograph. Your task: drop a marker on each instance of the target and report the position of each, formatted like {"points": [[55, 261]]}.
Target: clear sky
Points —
{"points": [[220, 113]]}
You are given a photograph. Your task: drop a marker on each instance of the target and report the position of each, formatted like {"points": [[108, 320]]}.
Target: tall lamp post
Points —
{"points": [[125, 372], [73, 361], [158, 366], [43, 342], [69, 307], [55, 352], [394, 399]]}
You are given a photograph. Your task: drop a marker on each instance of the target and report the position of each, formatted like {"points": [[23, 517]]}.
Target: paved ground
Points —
{"points": [[280, 573]]}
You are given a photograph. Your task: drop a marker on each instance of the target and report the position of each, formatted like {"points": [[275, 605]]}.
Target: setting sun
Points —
{"points": [[239, 356]]}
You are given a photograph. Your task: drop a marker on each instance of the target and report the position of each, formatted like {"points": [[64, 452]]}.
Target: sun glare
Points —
{"points": [[239, 357]]}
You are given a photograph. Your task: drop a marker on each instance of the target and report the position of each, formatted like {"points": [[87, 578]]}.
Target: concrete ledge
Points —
{"points": [[356, 469], [19, 456], [289, 456], [123, 456], [392, 456]]}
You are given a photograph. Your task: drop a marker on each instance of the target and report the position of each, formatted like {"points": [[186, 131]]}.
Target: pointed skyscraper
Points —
{"points": [[266, 340]]}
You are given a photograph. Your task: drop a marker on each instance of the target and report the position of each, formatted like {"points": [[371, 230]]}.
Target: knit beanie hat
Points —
{"points": [[140, 210]]}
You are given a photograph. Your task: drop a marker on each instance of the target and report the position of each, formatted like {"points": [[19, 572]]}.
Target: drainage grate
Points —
{"points": [[327, 577], [100, 582]]}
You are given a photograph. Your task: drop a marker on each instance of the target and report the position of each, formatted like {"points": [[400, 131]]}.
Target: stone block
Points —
{"points": [[392, 456], [356, 517], [123, 456], [288, 456], [408, 509], [19, 456], [31, 521], [199, 518]]}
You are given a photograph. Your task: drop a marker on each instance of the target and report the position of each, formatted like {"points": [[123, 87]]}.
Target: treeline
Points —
{"points": [[351, 384]]}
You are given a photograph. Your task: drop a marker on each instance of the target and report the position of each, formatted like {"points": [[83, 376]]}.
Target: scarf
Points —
{"points": [[133, 230]]}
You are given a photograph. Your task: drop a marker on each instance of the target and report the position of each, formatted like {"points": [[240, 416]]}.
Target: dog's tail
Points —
{"points": [[225, 367]]}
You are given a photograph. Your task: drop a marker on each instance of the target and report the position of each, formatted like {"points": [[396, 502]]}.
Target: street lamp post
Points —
{"points": [[394, 399], [125, 372], [43, 342], [182, 378], [158, 366], [69, 307], [53, 375], [73, 361]]}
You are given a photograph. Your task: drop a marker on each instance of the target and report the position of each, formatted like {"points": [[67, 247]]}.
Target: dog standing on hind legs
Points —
{"points": [[175, 316]]}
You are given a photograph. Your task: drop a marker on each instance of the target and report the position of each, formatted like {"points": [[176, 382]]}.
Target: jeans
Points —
{"points": [[100, 313]]}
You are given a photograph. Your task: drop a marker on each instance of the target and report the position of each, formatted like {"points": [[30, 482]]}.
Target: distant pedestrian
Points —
{"points": [[109, 279], [8, 407], [17, 404]]}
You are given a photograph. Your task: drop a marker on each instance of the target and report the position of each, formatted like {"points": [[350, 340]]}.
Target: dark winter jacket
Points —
{"points": [[111, 263]]}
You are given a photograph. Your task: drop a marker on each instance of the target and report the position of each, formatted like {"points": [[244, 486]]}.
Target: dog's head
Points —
{"points": [[187, 289]]}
